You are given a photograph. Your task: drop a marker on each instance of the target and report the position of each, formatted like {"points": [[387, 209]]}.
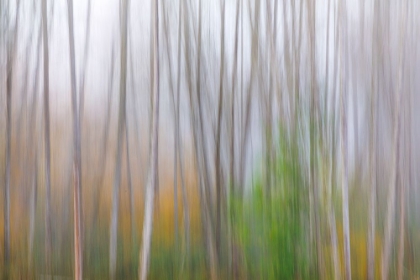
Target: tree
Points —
{"points": [[396, 153], [34, 150], [153, 169], [120, 135], [217, 165], [343, 133], [177, 136], [77, 207], [372, 153], [48, 243]]}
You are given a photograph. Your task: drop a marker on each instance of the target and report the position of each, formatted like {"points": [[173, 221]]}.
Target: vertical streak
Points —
{"points": [[396, 157], [77, 207], [152, 181], [343, 129], [47, 139]]}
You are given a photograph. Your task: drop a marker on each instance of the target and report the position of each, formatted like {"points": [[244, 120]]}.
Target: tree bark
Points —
{"points": [[129, 183], [77, 207], [11, 52], [120, 135], [343, 132], [396, 156], [219, 132], [34, 153], [153, 170], [177, 136], [105, 138], [372, 148], [200, 159], [179, 141], [48, 244], [85, 60]]}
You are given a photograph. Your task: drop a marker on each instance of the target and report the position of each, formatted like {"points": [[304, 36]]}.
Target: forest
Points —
{"points": [[209, 139]]}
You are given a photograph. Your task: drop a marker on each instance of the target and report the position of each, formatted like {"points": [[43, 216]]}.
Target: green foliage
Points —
{"points": [[271, 228]]}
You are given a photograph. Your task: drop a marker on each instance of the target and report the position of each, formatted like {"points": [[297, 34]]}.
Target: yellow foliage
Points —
{"points": [[358, 245]]}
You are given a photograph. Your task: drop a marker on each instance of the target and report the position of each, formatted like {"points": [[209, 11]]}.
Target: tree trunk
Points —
{"points": [[343, 132], [177, 137], [153, 170], [48, 244], [84, 65], [179, 142], [334, 244], [34, 154], [396, 156], [372, 148], [6, 213], [120, 135], [218, 164], [105, 138], [129, 183], [11, 52], [400, 268], [77, 207]]}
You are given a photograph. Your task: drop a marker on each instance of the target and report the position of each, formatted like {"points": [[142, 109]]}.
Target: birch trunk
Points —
{"points": [[77, 207], [129, 182], [178, 161], [219, 131], [343, 132], [11, 52], [390, 214], [372, 148], [34, 154], [179, 141], [48, 245], [153, 171], [120, 135]]}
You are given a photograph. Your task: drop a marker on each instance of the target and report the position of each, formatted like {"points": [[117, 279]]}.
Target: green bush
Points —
{"points": [[271, 228]]}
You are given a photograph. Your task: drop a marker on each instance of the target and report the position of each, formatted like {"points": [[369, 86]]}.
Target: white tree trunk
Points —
{"points": [[396, 155], [343, 131], [77, 207], [153, 170], [120, 135]]}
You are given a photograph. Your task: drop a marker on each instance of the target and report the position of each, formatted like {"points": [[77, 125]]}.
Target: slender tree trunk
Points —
{"points": [[286, 47], [234, 81], [48, 244], [84, 65], [200, 123], [32, 209], [34, 154], [402, 180], [177, 137], [204, 170], [77, 206], [171, 85], [372, 148], [217, 165], [179, 142], [331, 214], [130, 185], [11, 52], [200, 159], [396, 156], [314, 131], [343, 133], [248, 105], [334, 244], [153, 170], [6, 204], [105, 138], [120, 135]]}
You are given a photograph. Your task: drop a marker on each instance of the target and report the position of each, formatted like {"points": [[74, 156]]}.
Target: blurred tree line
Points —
{"points": [[229, 139]]}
